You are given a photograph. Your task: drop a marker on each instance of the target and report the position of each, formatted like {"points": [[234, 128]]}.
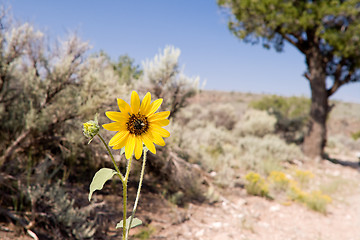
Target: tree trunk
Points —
{"points": [[315, 139]]}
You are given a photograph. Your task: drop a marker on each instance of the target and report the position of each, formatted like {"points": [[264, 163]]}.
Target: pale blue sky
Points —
{"points": [[208, 49]]}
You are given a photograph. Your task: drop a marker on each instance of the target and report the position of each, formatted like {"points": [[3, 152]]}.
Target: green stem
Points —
{"points": [[125, 197], [124, 208], [138, 191], [112, 158]]}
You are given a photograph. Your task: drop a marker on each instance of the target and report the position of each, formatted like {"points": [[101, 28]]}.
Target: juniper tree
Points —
{"points": [[325, 32], [126, 69]]}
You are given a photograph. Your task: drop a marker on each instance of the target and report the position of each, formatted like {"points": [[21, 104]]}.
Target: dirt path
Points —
{"points": [[244, 217]]}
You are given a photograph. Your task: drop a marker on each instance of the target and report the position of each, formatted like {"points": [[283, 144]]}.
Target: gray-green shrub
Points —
{"points": [[291, 114], [256, 123]]}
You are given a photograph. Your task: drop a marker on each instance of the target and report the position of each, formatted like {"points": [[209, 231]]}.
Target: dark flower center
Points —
{"points": [[137, 124]]}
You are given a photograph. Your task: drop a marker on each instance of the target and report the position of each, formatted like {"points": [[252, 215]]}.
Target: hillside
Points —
{"points": [[216, 133]]}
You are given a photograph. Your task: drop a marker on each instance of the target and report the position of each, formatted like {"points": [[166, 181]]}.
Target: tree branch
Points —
{"points": [[9, 151], [338, 83], [337, 78], [299, 44]]}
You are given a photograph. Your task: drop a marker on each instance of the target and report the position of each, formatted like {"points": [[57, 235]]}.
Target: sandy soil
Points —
{"points": [[242, 217], [239, 216]]}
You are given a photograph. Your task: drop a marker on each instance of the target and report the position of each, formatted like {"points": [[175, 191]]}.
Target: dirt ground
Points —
{"points": [[239, 216], [244, 217]]}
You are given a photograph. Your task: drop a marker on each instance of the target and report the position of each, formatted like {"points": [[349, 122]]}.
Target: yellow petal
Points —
{"points": [[161, 123], [159, 116], [135, 102], [138, 147], [123, 106], [148, 143], [154, 106], [145, 104], [158, 139], [161, 131], [129, 147], [121, 143], [114, 126], [118, 137], [116, 116]]}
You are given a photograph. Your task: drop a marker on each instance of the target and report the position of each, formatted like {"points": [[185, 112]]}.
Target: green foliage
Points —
{"points": [[100, 178], [355, 135], [135, 222], [291, 114], [256, 185], [288, 107], [273, 21], [127, 70]]}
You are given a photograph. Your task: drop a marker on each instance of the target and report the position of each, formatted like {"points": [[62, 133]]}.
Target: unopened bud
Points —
{"points": [[91, 128]]}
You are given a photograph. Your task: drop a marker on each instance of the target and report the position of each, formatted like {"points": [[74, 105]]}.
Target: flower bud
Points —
{"points": [[91, 128]]}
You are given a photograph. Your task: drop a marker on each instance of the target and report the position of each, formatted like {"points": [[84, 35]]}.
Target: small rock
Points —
{"points": [[241, 202], [274, 208], [200, 233], [264, 224], [217, 225]]}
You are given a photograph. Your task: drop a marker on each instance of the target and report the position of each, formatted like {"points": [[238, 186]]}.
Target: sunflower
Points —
{"points": [[138, 124]]}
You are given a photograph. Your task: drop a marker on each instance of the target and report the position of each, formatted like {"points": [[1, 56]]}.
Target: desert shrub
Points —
{"points": [[220, 150], [223, 115], [279, 181], [291, 114], [256, 185], [343, 143], [207, 145], [317, 201], [355, 135], [265, 154], [164, 78], [303, 177], [47, 89], [295, 193], [60, 218], [256, 123]]}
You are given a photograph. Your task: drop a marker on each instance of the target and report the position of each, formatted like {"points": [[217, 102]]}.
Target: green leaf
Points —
{"points": [[135, 222], [99, 179]]}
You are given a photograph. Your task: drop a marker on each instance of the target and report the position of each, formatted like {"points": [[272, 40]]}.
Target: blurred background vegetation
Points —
{"points": [[218, 140]]}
